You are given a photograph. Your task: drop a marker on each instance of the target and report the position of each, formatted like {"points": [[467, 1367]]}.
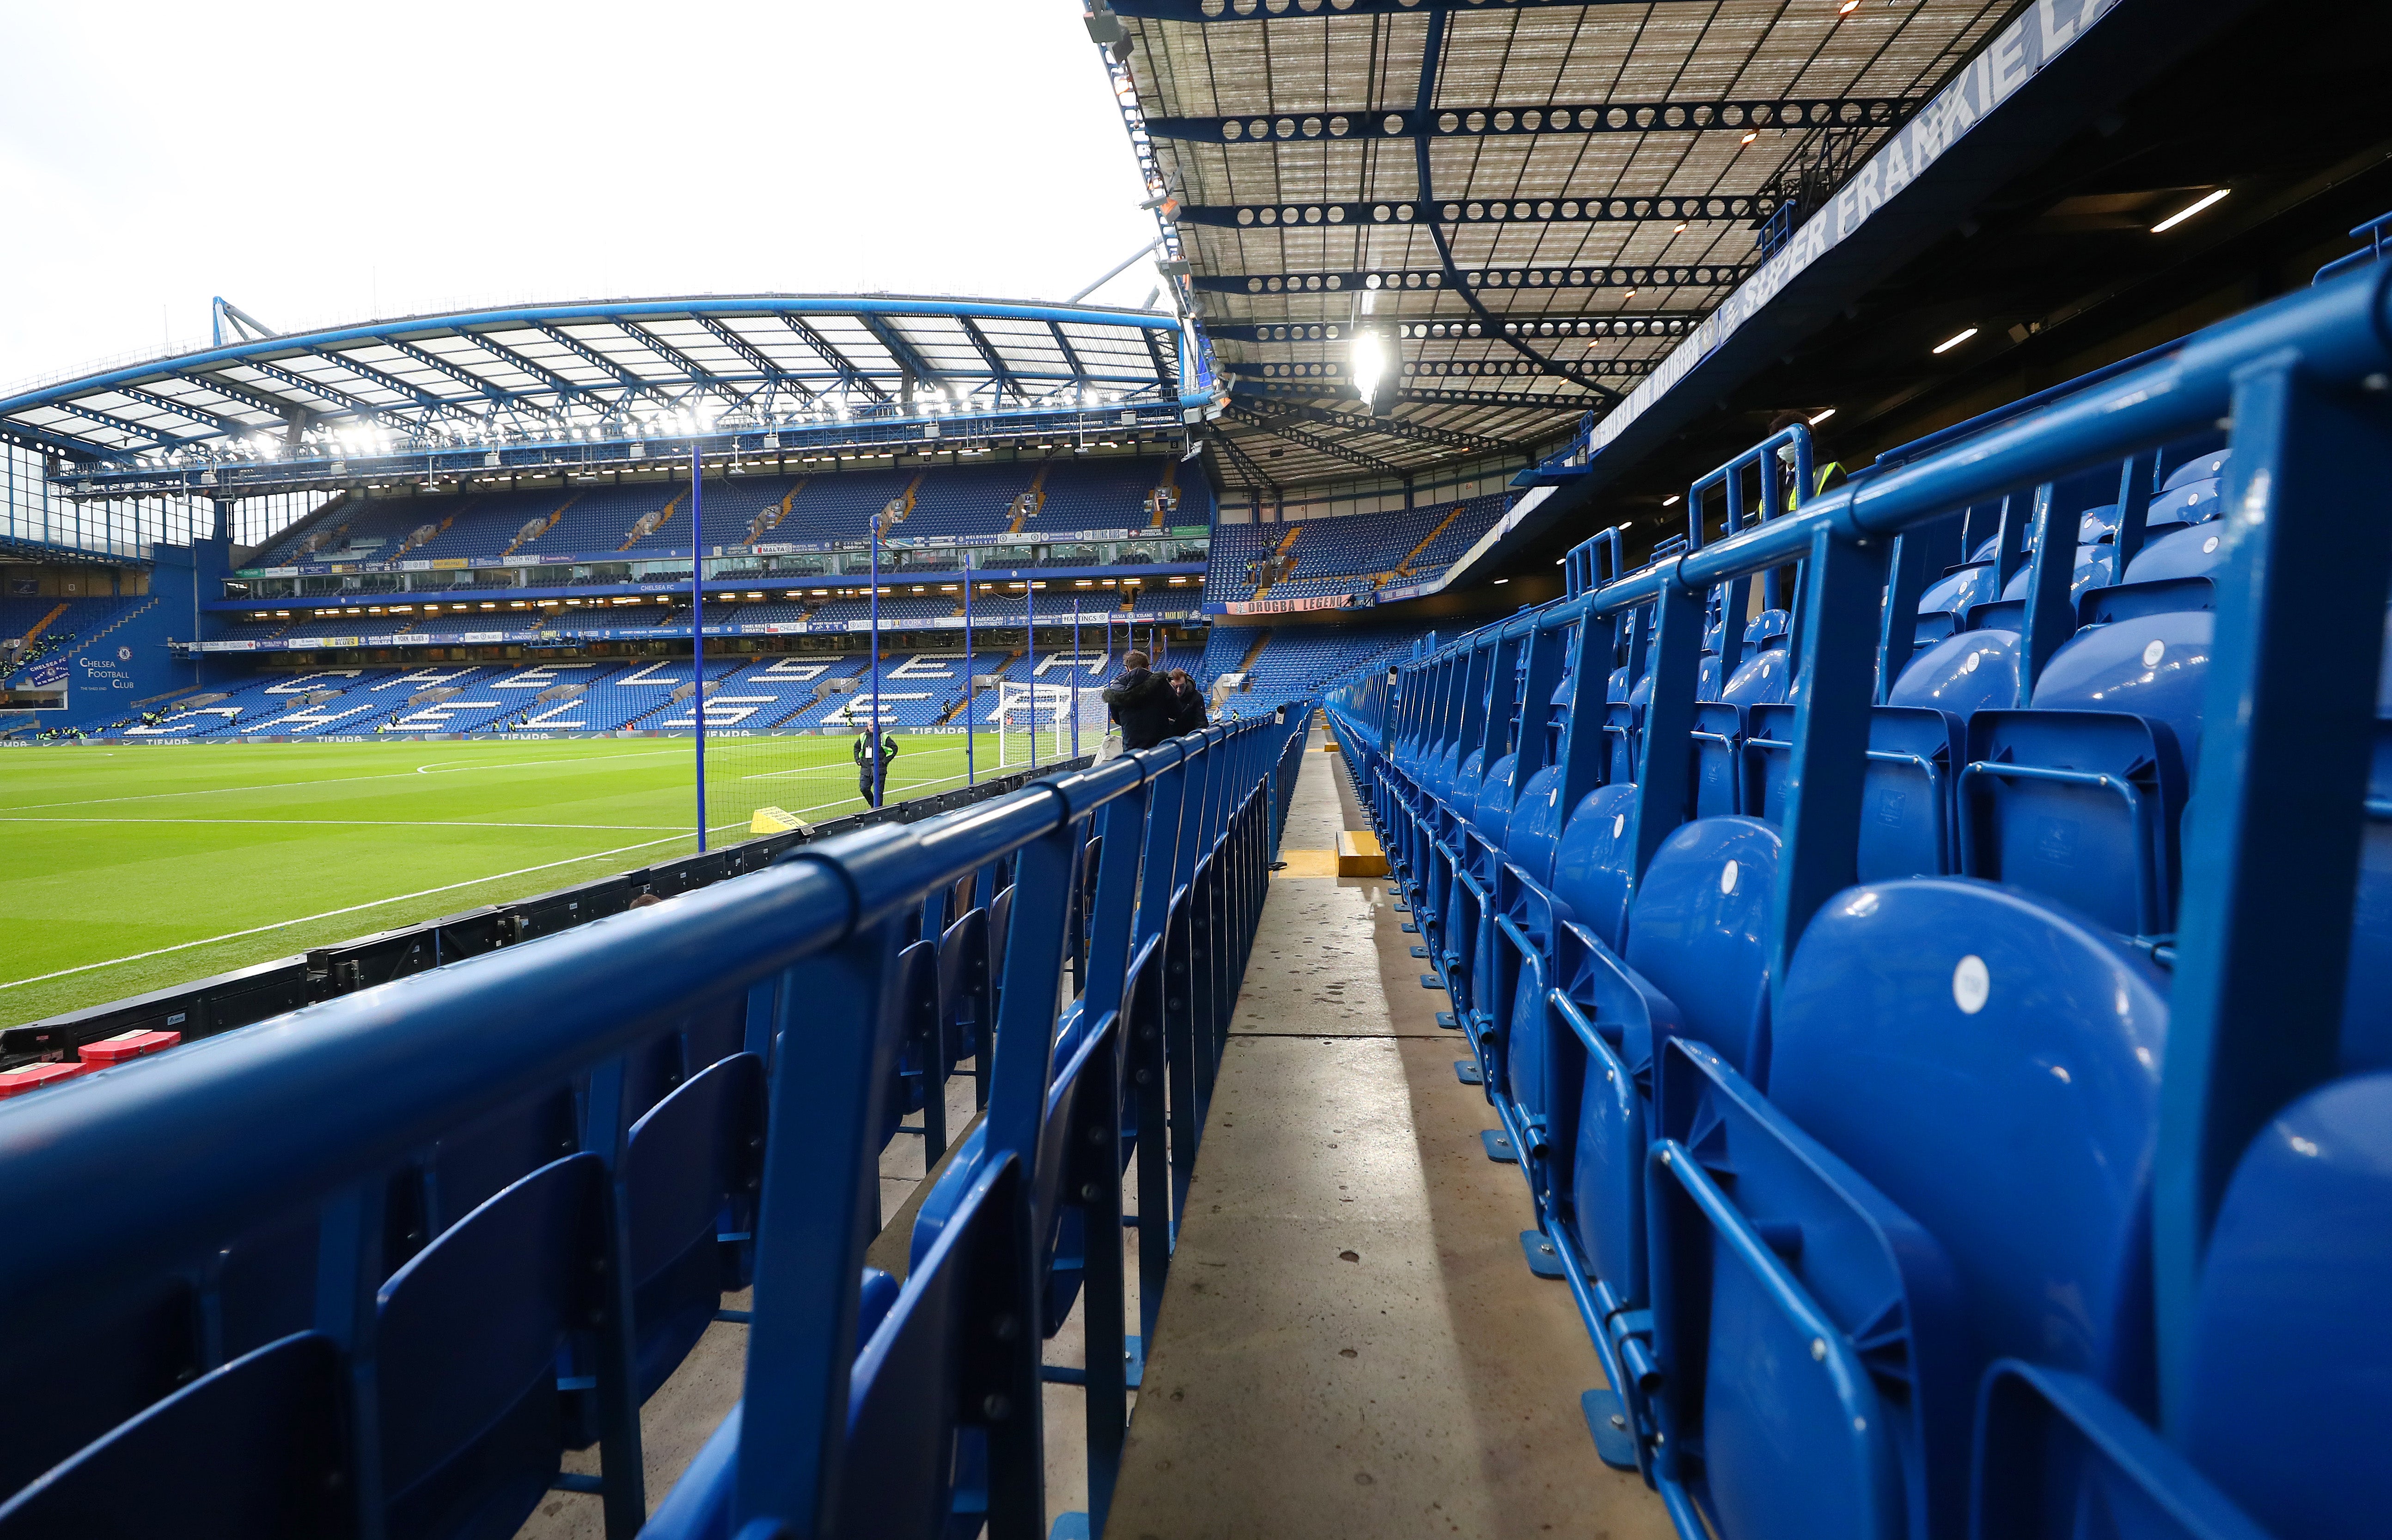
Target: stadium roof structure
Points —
{"points": [[445, 394], [1533, 202]]}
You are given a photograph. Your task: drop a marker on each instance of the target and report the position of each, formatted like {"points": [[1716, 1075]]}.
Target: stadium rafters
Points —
{"points": [[1614, 169], [437, 395]]}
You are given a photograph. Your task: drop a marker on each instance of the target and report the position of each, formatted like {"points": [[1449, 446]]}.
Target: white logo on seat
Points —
{"points": [[1970, 984], [2152, 652], [1727, 878]]}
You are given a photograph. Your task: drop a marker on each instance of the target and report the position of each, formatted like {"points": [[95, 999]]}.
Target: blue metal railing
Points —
{"points": [[143, 1172]]}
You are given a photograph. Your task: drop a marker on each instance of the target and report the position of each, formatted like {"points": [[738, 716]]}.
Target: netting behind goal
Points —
{"points": [[1044, 723]]}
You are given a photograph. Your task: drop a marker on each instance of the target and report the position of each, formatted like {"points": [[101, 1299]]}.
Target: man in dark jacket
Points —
{"points": [[1187, 705], [871, 771], [1141, 703]]}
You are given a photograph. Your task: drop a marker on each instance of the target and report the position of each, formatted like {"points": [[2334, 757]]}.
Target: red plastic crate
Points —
{"points": [[32, 1077], [128, 1045]]}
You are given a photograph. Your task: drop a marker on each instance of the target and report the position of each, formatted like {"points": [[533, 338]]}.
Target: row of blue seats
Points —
{"points": [[602, 520], [1957, 1108], [369, 1269]]}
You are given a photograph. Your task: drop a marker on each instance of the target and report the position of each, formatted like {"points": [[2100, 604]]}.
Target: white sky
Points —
{"points": [[315, 165]]}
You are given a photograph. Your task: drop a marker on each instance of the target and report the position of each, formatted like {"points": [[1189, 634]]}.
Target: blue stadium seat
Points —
{"points": [[1979, 1193], [467, 1342], [689, 1175], [2080, 806], [1915, 758], [256, 1450], [2291, 1356]]}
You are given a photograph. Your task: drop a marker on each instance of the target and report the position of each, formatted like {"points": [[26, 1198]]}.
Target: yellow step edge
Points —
{"points": [[1359, 855]]}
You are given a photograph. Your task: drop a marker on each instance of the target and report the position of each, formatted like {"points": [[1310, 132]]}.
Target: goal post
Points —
{"points": [[1042, 723]]}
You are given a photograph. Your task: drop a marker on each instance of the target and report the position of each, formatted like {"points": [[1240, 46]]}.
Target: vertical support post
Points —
{"points": [[2050, 613], [1586, 756], [2271, 865], [1075, 676], [1919, 555], [971, 719], [2135, 490], [1843, 577], [697, 622], [879, 770], [1664, 770], [1030, 649]]}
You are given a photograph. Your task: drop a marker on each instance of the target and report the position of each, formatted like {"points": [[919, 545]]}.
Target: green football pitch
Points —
{"points": [[131, 869]]}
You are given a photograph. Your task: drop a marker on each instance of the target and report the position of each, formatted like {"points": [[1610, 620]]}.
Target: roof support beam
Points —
{"points": [[1725, 116], [123, 426], [281, 376], [687, 365], [632, 384], [993, 359], [566, 389], [1481, 278], [1079, 370], [1425, 395], [227, 425], [756, 358], [1257, 479], [1193, 11], [1279, 427], [849, 377], [1658, 209], [1597, 323], [908, 358], [1389, 427], [415, 393]]}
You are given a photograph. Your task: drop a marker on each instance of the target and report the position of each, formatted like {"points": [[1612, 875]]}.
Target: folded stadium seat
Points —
{"points": [[1951, 1165], [1766, 674], [966, 998], [256, 1450], [1908, 810], [2193, 551], [691, 1172], [467, 1342], [1592, 860], [2094, 565], [1961, 674], [2289, 1357], [94, 1366], [1957, 592], [466, 1169], [1697, 932], [919, 1059], [2205, 467], [2144, 650], [2081, 806]]}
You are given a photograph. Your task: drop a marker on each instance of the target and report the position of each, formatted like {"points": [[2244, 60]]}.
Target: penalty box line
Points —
{"points": [[396, 898]]}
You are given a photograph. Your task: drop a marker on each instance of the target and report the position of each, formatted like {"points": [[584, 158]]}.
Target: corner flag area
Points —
{"points": [[135, 869]]}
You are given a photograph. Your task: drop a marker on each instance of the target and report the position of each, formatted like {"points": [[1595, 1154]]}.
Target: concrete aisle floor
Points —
{"points": [[1351, 1342]]}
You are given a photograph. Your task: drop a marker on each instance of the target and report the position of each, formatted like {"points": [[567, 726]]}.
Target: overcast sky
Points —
{"points": [[317, 164]]}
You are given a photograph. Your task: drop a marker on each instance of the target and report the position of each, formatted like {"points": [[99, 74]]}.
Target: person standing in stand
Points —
{"points": [[1187, 705], [1141, 703]]}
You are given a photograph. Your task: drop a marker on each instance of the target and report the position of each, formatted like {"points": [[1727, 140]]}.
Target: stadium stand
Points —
{"points": [[1879, 1197], [1352, 553]]}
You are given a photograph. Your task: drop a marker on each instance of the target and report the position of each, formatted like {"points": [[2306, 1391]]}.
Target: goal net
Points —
{"points": [[1041, 724]]}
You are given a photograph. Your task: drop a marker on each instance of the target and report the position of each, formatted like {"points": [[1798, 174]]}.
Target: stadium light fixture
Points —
{"points": [[1823, 417], [1948, 343], [2171, 221], [1671, 501]]}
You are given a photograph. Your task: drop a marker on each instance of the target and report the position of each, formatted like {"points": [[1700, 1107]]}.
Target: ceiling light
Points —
{"points": [[1847, 8], [1681, 230], [1750, 134], [1501, 581], [2171, 221], [1948, 343], [1671, 501], [1823, 417]]}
